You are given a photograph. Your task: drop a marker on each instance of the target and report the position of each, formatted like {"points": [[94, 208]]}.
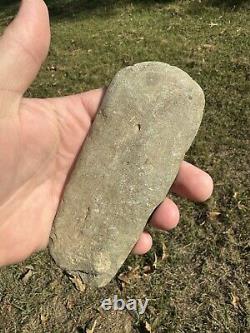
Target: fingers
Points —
{"points": [[143, 245], [166, 216], [193, 183], [24, 46]]}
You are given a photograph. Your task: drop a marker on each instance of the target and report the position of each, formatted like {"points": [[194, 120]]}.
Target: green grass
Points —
{"points": [[202, 284]]}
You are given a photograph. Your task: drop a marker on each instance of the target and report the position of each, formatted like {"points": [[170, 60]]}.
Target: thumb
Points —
{"points": [[24, 46]]}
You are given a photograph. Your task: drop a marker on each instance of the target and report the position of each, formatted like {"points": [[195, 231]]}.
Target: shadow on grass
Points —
{"points": [[61, 9], [226, 3], [66, 8]]}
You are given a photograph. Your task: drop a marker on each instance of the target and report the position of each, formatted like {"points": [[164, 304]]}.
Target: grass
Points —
{"points": [[201, 283]]}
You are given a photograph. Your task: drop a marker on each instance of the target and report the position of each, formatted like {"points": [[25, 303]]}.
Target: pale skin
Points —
{"points": [[40, 139]]}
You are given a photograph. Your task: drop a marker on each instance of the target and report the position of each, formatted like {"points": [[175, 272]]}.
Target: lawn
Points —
{"points": [[195, 276]]}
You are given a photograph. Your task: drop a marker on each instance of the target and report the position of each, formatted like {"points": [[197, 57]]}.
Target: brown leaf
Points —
{"points": [[43, 318], [240, 206], [209, 46], [127, 277], [214, 215], [78, 283], [148, 269], [91, 330], [70, 304], [212, 24], [235, 195], [27, 275], [52, 68], [235, 301], [148, 327]]}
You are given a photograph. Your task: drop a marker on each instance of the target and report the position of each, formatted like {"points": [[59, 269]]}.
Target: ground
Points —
{"points": [[195, 276]]}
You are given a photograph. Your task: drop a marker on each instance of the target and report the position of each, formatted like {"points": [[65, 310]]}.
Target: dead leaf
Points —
{"points": [[219, 184], [91, 330], [127, 277], [213, 24], [235, 195], [235, 301], [29, 267], [209, 46], [240, 206], [78, 283], [148, 327], [148, 269], [27, 275], [70, 304], [43, 318], [213, 215], [52, 68]]}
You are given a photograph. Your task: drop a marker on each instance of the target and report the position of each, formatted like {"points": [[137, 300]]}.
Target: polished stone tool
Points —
{"points": [[147, 121]]}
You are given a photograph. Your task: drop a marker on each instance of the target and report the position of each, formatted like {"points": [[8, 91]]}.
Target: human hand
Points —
{"points": [[40, 139]]}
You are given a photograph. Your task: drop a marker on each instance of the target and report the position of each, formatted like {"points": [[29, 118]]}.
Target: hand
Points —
{"points": [[40, 139]]}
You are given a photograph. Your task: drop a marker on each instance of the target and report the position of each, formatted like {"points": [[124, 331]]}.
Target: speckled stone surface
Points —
{"points": [[147, 121]]}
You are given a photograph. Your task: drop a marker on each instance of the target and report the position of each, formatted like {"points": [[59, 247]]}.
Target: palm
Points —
{"points": [[44, 137]]}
